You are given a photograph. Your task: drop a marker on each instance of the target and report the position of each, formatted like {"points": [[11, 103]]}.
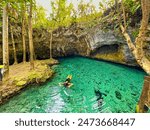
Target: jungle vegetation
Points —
{"points": [[29, 16]]}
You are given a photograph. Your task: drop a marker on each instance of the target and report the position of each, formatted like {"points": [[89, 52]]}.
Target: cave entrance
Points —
{"points": [[106, 49]]}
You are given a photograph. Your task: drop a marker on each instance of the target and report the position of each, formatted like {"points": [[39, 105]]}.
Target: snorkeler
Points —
{"points": [[67, 82]]}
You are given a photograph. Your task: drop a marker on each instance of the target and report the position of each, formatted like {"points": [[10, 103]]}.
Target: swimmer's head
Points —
{"points": [[69, 76]]}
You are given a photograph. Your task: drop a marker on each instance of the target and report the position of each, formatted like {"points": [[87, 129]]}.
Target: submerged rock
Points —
{"points": [[118, 95]]}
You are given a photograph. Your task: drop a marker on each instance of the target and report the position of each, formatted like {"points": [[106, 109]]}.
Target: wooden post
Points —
{"points": [[144, 101]]}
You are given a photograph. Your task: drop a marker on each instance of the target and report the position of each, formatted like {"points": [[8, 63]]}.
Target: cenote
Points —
{"points": [[99, 87]]}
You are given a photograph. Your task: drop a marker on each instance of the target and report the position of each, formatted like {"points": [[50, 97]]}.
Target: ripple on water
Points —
{"points": [[98, 87]]}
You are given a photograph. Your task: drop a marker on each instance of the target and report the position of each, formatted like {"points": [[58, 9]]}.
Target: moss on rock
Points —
{"points": [[21, 83], [114, 57], [21, 76]]}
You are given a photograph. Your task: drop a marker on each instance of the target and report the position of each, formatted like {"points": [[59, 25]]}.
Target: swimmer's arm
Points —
{"points": [[61, 84], [71, 84]]}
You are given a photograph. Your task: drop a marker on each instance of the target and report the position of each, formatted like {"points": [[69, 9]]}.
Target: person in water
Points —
{"points": [[67, 82]]}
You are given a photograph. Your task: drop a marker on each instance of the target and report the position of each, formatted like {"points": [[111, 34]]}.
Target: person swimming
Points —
{"points": [[67, 82]]}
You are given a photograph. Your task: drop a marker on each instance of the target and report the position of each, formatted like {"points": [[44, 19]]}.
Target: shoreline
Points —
{"points": [[21, 76]]}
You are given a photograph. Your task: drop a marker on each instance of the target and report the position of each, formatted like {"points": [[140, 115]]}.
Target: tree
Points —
{"points": [[132, 5], [104, 4], [39, 18], [13, 44], [86, 11], [31, 48], [23, 10], [51, 39], [82, 9], [137, 47], [61, 13], [12, 18], [5, 41]]}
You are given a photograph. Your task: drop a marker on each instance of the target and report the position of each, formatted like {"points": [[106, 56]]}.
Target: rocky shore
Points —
{"points": [[21, 76]]}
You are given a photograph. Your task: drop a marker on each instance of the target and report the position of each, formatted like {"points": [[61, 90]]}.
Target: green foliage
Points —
{"points": [[132, 5], [104, 4], [61, 13], [39, 17], [135, 32], [86, 9], [87, 12]]}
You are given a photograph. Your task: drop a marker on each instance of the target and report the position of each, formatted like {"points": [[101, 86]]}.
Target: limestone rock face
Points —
{"points": [[75, 40], [108, 45], [65, 43], [100, 38]]}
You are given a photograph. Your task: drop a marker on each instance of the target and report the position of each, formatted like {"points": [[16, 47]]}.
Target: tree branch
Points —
{"points": [[128, 39]]}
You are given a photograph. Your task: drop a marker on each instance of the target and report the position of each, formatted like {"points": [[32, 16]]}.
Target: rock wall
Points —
{"points": [[111, 46], [75, 40], [66, 42]]}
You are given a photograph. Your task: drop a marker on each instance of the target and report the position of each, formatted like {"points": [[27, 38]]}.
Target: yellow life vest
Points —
{"points": [[69, 76], [1, 66]]}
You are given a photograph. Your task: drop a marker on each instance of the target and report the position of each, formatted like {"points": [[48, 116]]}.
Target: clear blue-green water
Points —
{"points": [[98, 87]]}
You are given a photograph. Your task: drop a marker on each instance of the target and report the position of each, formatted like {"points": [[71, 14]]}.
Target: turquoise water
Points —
{"points": [[98, 87]]}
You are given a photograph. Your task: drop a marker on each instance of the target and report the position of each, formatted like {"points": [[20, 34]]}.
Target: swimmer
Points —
{"points": [[67, 82]]}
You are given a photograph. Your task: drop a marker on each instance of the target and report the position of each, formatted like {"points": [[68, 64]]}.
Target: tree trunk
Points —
{"points": [[51, 39], [124, 15], [23, 33], [144, 101], [31, 38], [143, 29], [13, 44], [116, 4], [137, 48], [5, 42]]}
